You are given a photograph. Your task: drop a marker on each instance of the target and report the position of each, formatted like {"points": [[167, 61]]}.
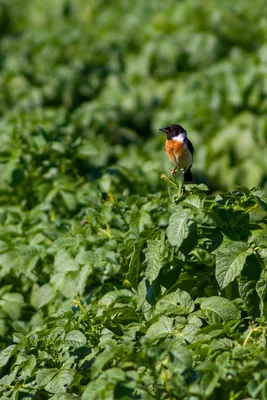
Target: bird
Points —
{"points": [[179, 150]]}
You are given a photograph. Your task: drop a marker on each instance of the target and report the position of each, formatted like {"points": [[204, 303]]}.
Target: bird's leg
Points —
{"points": [[173, 171]]}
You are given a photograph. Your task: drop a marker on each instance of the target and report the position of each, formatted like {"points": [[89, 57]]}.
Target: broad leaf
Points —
{"points": [[178, 228], [154, 262], [135, 264], [177, 303], [6, 354], [160, 329], [75, 338], [230, 260], [60, 382], [222, 307]]}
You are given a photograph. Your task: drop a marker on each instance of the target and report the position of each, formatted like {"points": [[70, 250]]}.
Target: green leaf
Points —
{"points": [[230, 260], [262, 203], [194, 202], [11, 303], [243, 189], [153, 259], [112, 297], [161, 329], [261, 288], [85, 213], [147, 294], [64, 262], [75, 339], [97, 389], [116, 374], [247, 282], [6, 354], [60, 382], [45, 375], [42, 295], [27, 367], [111, 350], [8, 261], [192, 327], [220, 306], [69, 199], [259, 237], [135, 264], [182, 356], [261, 198], [208, 382], [178, 228], [64, 396], [177, 303]]}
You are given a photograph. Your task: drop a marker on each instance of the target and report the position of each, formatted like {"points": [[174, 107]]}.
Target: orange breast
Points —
{"points": [[179, 153], [174, 149]]}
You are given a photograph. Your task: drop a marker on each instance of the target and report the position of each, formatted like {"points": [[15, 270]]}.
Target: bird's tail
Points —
{"points": [[188, 177]]}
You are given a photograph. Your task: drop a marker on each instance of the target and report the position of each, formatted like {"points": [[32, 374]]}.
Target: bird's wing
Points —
{"points": [[190, 146]]}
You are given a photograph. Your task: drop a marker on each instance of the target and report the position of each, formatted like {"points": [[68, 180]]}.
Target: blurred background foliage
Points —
{"points": [[85, 86]]}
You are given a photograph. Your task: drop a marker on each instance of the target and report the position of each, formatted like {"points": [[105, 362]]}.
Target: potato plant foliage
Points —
{"points": [[115, 282]]}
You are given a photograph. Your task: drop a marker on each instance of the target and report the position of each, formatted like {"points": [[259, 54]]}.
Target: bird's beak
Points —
{"points": [[162, 129]]}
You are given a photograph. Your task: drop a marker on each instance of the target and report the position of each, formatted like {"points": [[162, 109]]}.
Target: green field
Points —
{"points": [[115, 283]]}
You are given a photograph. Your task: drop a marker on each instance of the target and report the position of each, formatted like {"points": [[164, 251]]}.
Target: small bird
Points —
{"points": [[179, 150]]}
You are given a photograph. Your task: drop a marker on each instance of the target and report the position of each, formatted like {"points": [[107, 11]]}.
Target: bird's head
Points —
{"points": [[174, 131]]}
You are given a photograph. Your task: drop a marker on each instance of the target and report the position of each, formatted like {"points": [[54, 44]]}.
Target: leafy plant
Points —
{"points": [[115, 283], [130, 337]]}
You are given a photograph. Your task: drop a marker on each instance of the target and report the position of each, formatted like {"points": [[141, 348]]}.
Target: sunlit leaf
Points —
{"points": [[178, 228], [230, 260]]}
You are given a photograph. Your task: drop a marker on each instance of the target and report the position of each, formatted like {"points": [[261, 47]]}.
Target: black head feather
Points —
{"points": [[173, 130]]}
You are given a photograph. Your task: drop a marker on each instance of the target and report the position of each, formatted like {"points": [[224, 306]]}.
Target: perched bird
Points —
{"points": [[179, 150]]}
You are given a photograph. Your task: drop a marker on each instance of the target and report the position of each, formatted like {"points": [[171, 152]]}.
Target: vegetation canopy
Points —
{"points": [[116, 283]]}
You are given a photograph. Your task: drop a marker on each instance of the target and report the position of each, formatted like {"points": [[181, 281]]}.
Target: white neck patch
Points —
{"points": [[180, 138]]}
